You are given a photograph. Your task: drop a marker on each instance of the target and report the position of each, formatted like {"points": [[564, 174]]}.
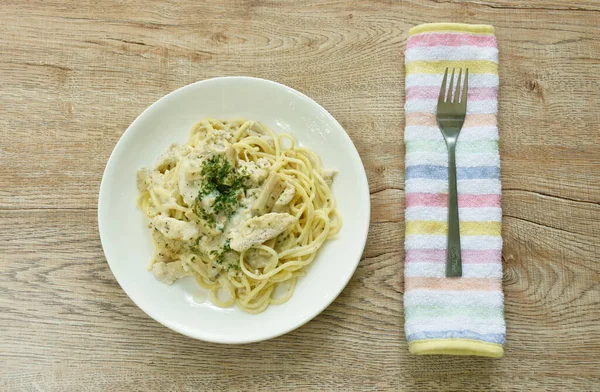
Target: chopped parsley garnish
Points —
{"points": [[223, 181], [220, 255]]}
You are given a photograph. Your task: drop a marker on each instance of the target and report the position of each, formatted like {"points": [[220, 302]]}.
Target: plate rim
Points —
{"points": [[364, 231]]}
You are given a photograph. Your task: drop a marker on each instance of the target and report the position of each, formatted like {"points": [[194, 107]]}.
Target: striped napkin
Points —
{"points": [[460, 316]]}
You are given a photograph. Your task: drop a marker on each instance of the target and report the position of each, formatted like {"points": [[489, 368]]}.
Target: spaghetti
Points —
{"points": [[241, 209]]}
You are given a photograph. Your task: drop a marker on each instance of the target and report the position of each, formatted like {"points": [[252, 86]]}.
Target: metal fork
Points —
{"points": [[451, 112]]}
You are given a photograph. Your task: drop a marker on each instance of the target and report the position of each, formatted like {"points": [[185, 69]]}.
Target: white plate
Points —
{"points": [[126, 239]]}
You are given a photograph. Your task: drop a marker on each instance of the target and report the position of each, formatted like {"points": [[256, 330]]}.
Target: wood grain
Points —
{"points": [[73, 75]]}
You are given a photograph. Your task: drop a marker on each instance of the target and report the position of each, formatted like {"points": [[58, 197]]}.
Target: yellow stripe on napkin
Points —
{"points": [[456, 346], [441, 228], [438, 67], [452, 28]]}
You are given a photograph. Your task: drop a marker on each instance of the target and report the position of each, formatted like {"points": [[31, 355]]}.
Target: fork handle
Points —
{"points": [[453, 253]]}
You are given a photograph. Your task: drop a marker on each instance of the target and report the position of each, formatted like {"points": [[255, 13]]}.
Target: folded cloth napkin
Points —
{"points": [[458, 316]]}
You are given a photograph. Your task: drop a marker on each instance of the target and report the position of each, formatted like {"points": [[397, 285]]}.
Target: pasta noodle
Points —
{"points": [[243, 210]]}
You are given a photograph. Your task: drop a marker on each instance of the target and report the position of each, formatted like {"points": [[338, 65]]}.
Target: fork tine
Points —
{"points": [[463, 100], [442, 96], [457, 92], [451, 86]]}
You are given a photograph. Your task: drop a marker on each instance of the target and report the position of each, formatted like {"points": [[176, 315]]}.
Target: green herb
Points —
{"points": [[220, 254], [225, 182], [203, 214]]}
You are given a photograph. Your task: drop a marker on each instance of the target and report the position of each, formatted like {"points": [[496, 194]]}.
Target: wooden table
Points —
{"points": [[74, 75]]}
